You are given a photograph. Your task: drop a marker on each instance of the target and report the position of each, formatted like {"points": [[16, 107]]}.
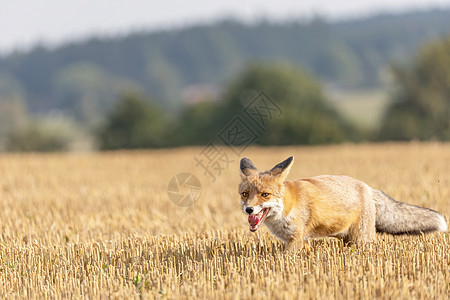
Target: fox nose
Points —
{"points": [[249, 210]]}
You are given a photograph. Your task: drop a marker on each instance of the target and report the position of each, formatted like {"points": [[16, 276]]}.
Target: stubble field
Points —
{"points": [[102, 226]]}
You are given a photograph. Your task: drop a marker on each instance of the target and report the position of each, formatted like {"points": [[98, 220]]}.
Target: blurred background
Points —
{"points": [[100, 75]]}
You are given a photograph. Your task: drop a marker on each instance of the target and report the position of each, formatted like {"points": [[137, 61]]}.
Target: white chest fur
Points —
{"points": [[280, 226]]}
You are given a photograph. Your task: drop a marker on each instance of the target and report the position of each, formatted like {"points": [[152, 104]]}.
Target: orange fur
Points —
{"points": [[326, 205]]}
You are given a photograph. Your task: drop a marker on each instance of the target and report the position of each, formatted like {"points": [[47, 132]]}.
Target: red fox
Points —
{"points": [[326, 205]]}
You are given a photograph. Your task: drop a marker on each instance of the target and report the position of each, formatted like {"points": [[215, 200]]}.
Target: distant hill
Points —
{"points": [[82, 79]]}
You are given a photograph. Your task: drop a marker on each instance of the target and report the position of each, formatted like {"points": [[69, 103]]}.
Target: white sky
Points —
{"points": [[26, 22]]}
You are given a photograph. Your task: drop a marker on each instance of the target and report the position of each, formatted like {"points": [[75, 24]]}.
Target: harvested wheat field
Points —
{"points": [[102, 226]]}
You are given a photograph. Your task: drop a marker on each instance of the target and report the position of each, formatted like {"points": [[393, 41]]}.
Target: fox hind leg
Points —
{"points": [[363, 231]]}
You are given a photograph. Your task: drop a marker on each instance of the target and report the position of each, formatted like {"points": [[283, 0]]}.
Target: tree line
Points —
{"points": [[301, 113], [83, 79]]}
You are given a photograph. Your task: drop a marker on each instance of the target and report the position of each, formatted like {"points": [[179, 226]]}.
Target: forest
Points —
{"points": [[195, 73]]}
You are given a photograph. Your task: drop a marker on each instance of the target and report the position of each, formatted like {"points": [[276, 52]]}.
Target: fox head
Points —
{"points": [[262, 192]]}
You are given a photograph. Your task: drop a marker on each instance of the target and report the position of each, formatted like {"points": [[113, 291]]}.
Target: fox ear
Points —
{"points": [[282, 169], [247, 167]]}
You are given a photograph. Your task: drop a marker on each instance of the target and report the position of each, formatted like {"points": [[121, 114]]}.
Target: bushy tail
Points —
{"points": [[396, 217]]}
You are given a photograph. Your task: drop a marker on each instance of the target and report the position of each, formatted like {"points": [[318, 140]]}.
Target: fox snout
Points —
{"points": [[251, 210]]}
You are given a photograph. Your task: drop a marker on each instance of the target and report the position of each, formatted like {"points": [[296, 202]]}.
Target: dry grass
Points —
{"points": [[101, 225]]}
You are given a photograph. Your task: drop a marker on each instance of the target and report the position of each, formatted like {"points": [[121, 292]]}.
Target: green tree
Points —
{"points": [[43, 135], [13, 108], [197, 124], [307, 118], [86, 90], [422, 97], [134, 123]]}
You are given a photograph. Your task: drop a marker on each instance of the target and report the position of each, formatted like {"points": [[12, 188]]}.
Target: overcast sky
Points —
{"points": [[26, 22]]}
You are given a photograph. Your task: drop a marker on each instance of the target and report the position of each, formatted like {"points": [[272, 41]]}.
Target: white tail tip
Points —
{"points": [[442, 224]]}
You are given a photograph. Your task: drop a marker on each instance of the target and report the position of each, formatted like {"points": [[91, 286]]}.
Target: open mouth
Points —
{"points": [[256, 220]]}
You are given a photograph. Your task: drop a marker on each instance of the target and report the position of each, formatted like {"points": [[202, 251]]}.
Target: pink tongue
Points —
{"points": [[254, 219]]}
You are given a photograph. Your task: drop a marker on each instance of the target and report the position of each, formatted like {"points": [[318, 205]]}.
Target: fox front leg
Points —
{"points": [[294, 246], [295, 243]]}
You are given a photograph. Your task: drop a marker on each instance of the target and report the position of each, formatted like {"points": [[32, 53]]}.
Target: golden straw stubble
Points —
{"points": [[102, 225]]}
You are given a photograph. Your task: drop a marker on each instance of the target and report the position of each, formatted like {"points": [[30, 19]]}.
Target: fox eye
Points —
{"points": [[245, 194], [265, 195]]}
